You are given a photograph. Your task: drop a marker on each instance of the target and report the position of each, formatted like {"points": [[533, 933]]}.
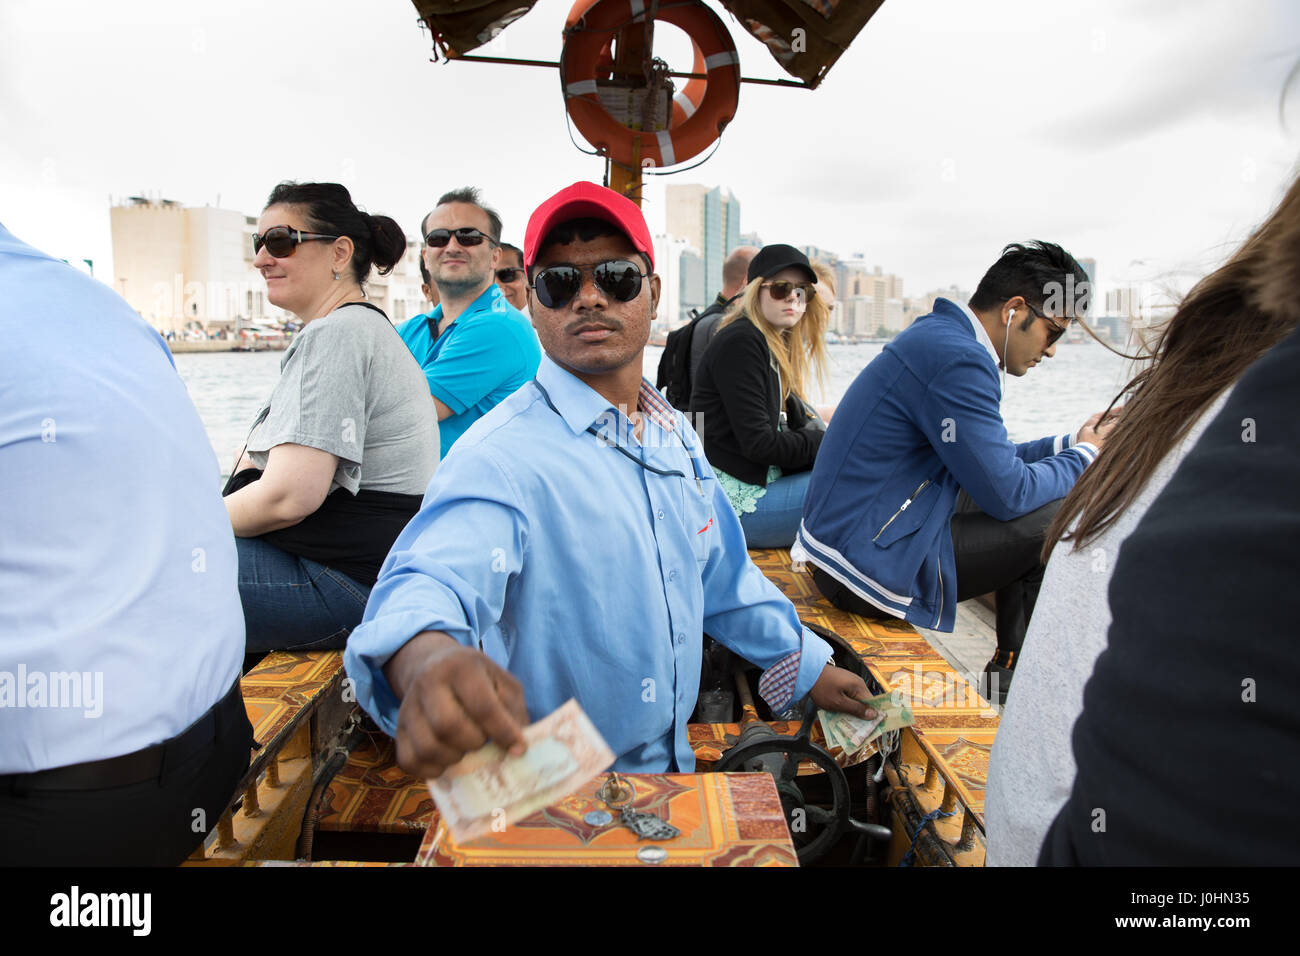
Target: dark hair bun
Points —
{"points": [[389, 242]]}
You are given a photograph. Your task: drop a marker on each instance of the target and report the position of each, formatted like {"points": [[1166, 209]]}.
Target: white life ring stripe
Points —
{"points": [[581, 88], [666, 148], [638, 9], [725, 58], [684, 101]]}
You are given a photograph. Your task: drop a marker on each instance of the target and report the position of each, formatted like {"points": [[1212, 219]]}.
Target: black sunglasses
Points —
{"points": [[782, 289], [508, 275], [280, 241], [557, 285], [1056, 330], [466, 235]]}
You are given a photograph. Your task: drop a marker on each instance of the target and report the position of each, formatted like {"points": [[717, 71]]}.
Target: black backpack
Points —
{"points": [[675, 364]]}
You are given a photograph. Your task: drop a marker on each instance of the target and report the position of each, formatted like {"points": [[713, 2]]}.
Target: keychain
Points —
{"points": [[617, 793]]}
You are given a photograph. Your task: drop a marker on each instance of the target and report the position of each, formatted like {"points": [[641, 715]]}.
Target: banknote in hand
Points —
{"points": [[852, 734], [489, 789]]}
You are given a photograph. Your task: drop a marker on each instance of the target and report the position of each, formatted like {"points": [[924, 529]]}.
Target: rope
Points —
{"points": [[911, 850]]}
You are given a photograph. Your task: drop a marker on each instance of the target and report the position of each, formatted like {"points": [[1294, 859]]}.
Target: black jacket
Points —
{"points": [[736, 402]]}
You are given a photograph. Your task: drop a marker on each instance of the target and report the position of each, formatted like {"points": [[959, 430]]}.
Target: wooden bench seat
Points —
{"points": [[371, 794], [295, 702]]}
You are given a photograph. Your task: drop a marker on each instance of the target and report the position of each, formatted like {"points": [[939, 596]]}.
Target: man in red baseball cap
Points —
{"points": [[576, 543]]}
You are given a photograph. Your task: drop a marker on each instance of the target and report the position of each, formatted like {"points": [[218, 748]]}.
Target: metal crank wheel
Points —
{"points": [[762, 749]]}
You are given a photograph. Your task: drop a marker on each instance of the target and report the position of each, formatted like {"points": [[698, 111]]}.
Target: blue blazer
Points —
{"points": [[918, 424]]}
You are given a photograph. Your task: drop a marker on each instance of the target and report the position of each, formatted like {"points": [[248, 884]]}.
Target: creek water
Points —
{"points": [[228, 388]]}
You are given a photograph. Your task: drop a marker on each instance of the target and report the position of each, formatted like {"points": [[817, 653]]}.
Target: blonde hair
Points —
{"points": [[799, 352]]}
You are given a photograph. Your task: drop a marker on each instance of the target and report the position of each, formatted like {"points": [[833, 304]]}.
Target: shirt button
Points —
{"points": [[660, 514], [681, 638], [672, 575]]}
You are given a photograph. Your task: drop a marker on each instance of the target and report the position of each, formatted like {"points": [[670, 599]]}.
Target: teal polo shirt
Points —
{"points": [[487, 353]]}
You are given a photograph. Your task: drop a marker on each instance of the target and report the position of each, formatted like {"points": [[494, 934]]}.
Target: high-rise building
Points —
{"points": [[180, 266], [709, 220], [818, 254], [681, 275]]}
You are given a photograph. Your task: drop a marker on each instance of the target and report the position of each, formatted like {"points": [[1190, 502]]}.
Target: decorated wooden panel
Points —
{"points": [[371, 794], [284, 684], [724, 819]]}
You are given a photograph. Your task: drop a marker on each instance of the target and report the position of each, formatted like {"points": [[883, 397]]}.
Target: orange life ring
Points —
{"points": [[701, 110]]}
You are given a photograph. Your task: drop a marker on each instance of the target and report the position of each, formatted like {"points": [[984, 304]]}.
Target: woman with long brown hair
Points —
{"points": [[1227, 321], [760, 433]]}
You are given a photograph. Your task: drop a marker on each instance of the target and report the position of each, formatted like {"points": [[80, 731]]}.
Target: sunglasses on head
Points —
{"points": [[508, 275], [782, 289], [280, 241], [1056, 330], [466, 235], [620, 279]]}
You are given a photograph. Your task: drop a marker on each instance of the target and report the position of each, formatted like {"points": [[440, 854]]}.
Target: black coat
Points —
{"points": [[736, 404]]}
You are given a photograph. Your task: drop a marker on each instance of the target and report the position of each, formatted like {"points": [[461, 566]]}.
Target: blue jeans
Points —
{"points": [[776, 521], [293, 603]]}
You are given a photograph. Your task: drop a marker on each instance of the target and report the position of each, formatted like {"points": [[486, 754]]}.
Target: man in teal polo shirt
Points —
{"points": [[475, 347]]}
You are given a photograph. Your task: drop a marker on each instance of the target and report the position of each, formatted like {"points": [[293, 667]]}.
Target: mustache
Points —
{"points": [[606, 323]]}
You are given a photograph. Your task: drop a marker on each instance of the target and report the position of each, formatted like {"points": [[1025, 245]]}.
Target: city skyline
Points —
{"points": [[936, 139]]}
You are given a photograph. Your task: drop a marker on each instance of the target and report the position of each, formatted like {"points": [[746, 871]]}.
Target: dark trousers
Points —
{"points": [[1003, 557], [51, 818], [991, 555]]}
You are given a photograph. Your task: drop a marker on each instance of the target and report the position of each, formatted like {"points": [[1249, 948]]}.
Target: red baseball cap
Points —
{"points": [[583, 201]]}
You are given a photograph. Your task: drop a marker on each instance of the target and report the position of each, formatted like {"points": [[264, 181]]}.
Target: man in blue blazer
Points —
{"points": [[884, 524]]}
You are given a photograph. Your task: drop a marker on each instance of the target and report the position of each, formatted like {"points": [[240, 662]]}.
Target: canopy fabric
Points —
{"points": [[459, 26], [805, 37]]}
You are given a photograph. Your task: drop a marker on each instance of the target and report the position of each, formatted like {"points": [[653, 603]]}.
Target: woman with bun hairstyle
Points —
{"points": [[760, 433], [338, 459]]}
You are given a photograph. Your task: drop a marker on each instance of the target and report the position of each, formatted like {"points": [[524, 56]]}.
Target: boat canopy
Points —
{"points": [[805, 37]]}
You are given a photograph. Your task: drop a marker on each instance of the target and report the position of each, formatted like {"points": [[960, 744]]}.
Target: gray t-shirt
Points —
{"points": [[350, 386], [1031, 768]]}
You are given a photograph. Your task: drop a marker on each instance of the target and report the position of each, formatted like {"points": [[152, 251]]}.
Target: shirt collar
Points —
{"points": [[980, 335], [581, 406], [486, 302]]}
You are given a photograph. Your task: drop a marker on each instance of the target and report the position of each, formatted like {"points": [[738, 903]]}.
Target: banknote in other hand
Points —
{"points": [[490, 789]]}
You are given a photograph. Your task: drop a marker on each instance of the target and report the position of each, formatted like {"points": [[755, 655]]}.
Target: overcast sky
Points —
{"points": [[1149, 134]]}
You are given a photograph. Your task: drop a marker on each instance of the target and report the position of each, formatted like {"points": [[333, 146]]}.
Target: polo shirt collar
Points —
{"points": [[980, 335], [484, 303], [582, 406]]}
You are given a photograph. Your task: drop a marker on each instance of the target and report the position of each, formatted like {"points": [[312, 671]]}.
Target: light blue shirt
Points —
{"points": [[120, 620], [487, 353], [583, 573]]}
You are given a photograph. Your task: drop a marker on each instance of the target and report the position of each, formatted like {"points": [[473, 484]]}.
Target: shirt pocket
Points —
{"points": [[909, 516], [700, 522]]}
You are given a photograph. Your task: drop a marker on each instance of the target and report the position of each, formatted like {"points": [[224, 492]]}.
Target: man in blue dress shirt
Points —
{"points": [[122, 730], [475, 347], [577, 544]]}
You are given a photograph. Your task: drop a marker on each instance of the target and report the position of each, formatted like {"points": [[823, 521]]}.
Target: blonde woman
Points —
{"points": [[760, 434]]}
